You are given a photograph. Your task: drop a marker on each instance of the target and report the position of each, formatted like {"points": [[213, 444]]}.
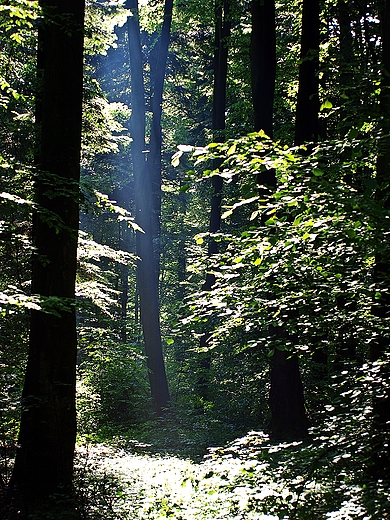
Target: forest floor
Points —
{"points": [[249, 479]]}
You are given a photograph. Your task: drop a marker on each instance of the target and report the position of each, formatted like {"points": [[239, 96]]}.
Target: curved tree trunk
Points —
{"points": [[44, 459]]}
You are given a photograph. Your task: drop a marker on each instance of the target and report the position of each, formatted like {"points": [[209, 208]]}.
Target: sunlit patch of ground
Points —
{"points": [[250, 479]]}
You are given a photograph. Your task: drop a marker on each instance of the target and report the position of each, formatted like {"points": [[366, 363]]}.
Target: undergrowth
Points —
{"points": [[250, 478]]}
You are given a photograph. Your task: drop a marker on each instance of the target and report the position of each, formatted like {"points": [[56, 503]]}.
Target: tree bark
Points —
{"points": [[263, 75], [147, 186], [263, 63], [286, 400], [157, 75], [379, 348], [44, 459], [222, 33], [306, 122]]}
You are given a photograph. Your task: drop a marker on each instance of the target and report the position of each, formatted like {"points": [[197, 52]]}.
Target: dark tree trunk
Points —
{"points": [[221, 45], [263, 63], [288, 417], [222, 33], [306, 122], [379, 348], [263, 75], [147, 180], [346, 45], [287, 403], [286, 397], [44, 459], [157, 75]]}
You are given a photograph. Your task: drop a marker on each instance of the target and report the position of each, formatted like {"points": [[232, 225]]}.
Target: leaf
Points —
{"points": [[185, 148], [326, 104], [135, 226], [227, 214], [175, 161], [15, 198], [232, 149], [317, 172]]}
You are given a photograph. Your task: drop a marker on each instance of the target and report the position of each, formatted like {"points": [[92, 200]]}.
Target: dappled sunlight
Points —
{"points": [[248, 479]]}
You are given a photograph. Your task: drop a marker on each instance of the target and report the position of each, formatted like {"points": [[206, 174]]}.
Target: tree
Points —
{"points": [[286, 399], [147, 177], [263, 64], [306, 122], [286, 394], [221, 47], [44, 459], [380, 454]]}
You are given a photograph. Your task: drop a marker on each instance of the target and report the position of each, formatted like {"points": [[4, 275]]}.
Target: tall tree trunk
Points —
{"points": [[263, 75], [306, 122], [147, 180], [291, 419], [286, 400], [222, 33], [44, 459], [157, 75], [346, 47], [379, 348], [263, 63]]}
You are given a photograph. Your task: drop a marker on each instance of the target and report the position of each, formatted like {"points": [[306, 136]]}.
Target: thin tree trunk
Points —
{"points": [[44, 459], [222, 33], [147, 179], [306, 122], [157, 74]]}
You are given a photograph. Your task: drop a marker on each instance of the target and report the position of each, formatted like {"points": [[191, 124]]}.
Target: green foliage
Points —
{"points": [[303, 259], [112, 389], [100, 20]]}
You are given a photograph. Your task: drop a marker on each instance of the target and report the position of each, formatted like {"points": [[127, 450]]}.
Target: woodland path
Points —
{"points": [[249, 479], [226, 484]]}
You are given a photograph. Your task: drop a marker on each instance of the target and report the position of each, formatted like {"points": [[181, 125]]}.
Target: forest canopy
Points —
{"points": [[194, 252]]}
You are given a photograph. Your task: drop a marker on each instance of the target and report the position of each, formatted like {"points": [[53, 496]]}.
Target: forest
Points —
{"points": [[195, 259]]}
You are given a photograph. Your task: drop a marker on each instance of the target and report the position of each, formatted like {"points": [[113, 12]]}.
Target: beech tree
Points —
{"points": [[44, 458], [287, 400], [147, 177], [223, 24], [306, 121]]}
